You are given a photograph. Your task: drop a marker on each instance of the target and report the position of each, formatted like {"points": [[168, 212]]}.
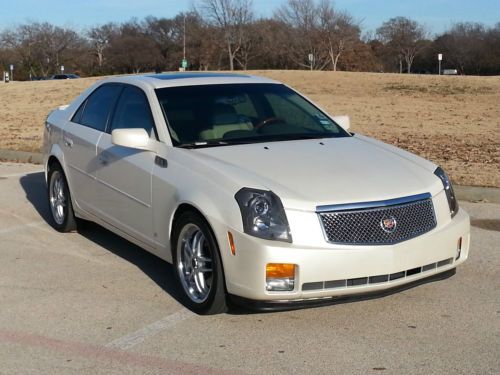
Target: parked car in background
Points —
{"points": [[254, 193], [64, 76]]}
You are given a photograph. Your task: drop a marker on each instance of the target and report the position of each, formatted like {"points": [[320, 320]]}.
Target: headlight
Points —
{"points": [[450, 195], [263, 215]]}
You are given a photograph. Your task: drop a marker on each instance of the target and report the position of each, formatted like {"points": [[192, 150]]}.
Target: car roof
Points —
{"points": [[162, 80]]}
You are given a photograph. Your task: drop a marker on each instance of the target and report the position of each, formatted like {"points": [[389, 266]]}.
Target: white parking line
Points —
{"points": [[21, 226], [134, 338]]}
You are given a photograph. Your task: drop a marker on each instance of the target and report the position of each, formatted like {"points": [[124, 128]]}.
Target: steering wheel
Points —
{"points": [[268, 121]]}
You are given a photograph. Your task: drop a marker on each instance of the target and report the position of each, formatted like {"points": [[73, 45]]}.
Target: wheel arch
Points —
{"points": [[55, 155], [186, 207]]}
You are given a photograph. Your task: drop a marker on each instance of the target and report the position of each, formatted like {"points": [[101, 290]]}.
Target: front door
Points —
{"points": [[124, 174]]}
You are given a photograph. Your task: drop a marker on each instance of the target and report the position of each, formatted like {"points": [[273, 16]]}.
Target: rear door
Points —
{"points": [[80, 138], [124, 174]]}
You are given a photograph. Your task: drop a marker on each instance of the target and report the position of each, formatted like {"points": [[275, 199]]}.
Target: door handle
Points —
{"points": [[161, 161], [68, 142]]}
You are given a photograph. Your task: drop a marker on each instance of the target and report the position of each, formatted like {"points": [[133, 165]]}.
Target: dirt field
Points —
{"points": [[453, 121]]}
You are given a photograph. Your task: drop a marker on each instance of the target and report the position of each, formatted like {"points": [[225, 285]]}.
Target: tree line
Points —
{"points": [[226, 35]]}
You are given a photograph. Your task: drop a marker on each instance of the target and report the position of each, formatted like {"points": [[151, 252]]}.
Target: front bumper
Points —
{"points": [[320, 270], [279, 305]]}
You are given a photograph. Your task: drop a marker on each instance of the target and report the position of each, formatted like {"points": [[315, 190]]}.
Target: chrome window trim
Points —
{"points": [[373, 204]]}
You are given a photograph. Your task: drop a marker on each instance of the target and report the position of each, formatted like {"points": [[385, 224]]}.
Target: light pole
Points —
{"points": [[184, 62], [184, 39]]}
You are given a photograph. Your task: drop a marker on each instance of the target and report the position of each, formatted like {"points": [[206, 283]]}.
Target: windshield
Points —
{"points": [[225, 114]]}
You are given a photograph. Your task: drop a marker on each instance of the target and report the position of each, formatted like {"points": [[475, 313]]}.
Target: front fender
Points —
{"points": [[211, 195]]}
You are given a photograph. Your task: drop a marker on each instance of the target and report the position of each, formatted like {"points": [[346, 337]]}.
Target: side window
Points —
{"points": [[133, 111], [98, 106], [78, 115]]}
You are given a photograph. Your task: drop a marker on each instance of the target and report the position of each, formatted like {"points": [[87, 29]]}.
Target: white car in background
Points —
{"points": [[253, 192]]}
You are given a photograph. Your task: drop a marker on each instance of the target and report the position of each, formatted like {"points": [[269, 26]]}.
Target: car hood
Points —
{"points": [[310, 173]]}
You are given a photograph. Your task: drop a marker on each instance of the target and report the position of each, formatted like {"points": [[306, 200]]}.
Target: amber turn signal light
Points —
{"points": [[231, 243], [280, 270]]}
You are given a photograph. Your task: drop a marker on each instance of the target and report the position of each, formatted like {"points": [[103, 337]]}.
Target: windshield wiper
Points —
{"points": [[256, 139], [203, 144], [280, 137]]}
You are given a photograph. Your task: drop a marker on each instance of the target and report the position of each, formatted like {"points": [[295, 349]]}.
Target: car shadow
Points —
{"points": [[158, 270]]}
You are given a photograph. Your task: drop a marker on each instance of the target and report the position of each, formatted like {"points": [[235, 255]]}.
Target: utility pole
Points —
{"points": [[184, 39], [184, 63]]}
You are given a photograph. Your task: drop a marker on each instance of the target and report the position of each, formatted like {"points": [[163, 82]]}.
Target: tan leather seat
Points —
{"points": [[225, 119]]}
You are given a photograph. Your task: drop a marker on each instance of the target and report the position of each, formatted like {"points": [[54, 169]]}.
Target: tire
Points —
{"points": [[59, 199], [197, 265]]}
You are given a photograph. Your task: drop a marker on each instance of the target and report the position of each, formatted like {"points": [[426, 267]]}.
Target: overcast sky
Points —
{"points": [[437, 15]]}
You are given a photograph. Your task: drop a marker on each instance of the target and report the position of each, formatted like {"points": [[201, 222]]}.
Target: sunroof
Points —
{"points": [[167, 76]]}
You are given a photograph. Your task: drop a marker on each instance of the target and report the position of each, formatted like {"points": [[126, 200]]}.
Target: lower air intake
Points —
{"points": [[370, 280]]}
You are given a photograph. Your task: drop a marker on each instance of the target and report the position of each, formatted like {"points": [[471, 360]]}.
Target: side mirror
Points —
{"points": [[136, 138], [343, 121]]}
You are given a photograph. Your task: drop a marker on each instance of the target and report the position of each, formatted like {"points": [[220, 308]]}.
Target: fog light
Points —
{"points": [[280, 277], [459, 248]]}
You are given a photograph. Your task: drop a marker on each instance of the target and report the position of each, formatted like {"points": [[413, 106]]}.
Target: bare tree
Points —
{"points": [[99, 37], [404, 37], [338, 31], [232, 18], [132, 50], [464, 46], [42, 47], [302, 17]]}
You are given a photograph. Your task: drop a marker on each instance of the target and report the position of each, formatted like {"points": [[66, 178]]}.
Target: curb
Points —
{"points": [[477, 193], [463, 193], [21, 156]]}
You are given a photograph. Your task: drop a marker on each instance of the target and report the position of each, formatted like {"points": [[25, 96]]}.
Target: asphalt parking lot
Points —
{"points": [[91, 302]]}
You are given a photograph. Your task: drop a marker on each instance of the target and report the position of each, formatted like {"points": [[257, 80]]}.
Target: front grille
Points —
{"points": [[384, 225]]}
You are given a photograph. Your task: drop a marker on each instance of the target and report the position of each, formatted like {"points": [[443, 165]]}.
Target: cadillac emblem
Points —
{"points": [[388, 224]]}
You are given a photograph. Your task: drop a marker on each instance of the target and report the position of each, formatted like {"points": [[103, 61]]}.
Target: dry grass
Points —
{"points": [[453, 121]]}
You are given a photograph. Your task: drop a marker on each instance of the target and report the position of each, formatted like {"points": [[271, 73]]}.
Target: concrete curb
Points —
{"points": [[21, 156], [464, 193], [477, 193]]}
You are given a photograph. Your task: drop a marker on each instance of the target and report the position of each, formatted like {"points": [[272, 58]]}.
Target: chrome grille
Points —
{"points": [[363, 226]]}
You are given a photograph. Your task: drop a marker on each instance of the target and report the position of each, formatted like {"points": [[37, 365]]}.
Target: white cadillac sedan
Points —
{"points": [[254, 193]]}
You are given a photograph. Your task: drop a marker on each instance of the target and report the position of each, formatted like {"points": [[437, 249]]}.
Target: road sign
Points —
{"points": [[62, 68], [440, 56], [311, 57], [184, 63], [11, 66]]}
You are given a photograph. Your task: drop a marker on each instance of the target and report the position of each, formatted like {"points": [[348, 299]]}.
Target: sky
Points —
{"points": [[436, 15]]}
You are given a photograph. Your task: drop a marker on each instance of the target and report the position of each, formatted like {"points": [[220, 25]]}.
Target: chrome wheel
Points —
{"points": [[194, 263], [57, 197]]}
